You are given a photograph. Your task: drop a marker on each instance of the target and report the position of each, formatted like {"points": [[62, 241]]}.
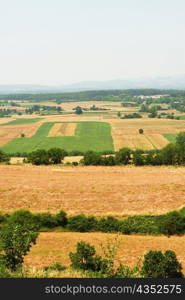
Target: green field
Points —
{"points": [[88, 136], [22, 121], [171, 137]]}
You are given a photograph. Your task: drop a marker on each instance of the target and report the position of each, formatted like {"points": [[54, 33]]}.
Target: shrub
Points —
{"points": [[123, 156], [61, 219], [141, 131], [127, 272], [159, 265], [4, 157], [55, 267], [108, 224], [24, 218], [138, 159], [92, 158], [56, 155], [39, 157], [172, 223], [47, 220], [85, 258], [81, 223]]}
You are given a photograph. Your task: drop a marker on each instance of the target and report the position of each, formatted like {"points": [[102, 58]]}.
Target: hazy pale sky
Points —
{"points": [[65, 41]]}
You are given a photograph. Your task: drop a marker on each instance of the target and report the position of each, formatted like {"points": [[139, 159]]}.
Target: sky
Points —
{"points": [[57, 42]]}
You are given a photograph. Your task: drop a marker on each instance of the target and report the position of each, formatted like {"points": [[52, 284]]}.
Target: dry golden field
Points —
{"points": [[100, 191], [63, 129], [55, 247], [125, 132], [9, 132]]}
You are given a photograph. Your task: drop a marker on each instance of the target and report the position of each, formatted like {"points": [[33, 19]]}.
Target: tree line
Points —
{"points": [[172, 223], [21, 232]]}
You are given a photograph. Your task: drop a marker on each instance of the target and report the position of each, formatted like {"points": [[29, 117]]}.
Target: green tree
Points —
{"points": [[138, 159], [4, 157], [180, 140], [39, 157], [141, 131], [15, 242], [78, 110], [92, 158], [159, 265], [172, 223], [169, 154], [85, 258], [123, 156], [56, 155]]}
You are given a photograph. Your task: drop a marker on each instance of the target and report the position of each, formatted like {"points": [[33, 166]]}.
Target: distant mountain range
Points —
{"points": [[170, 82]]}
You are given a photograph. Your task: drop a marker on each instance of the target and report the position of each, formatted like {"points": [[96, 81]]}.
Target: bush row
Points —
{"points": [[168, 224]]}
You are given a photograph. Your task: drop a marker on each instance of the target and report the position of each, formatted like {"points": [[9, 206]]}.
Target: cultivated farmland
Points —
{"points": [[51, 247], [88, 136], [117, 191]]}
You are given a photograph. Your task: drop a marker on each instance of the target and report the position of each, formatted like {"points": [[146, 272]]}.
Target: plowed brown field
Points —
{"points": [[92, 190]]}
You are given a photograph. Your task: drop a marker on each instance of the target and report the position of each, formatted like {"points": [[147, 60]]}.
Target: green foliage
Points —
{"points": [[109, 224], [123, 156], [4, 157], [124, 271], [141, 131], [25, 219], [47, 220], [92, 158], [138, 159], [132, 116], [85, 258], [78, 110], [22, 121], [55, 267], [15, 242], [39, 157], [180, 140], [172, 223], [81, 223], [56, 155], [159, 265], [61, 218]]}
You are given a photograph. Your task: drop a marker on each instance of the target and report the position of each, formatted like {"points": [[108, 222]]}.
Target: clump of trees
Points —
{"points": [[44, 157], [4, 157], [159, 265], [172, 154], [132, 116], [155, 263]]}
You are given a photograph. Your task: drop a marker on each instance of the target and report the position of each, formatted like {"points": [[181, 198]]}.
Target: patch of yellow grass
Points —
{"points": [[55, 247], [63, 129], [55, 130]]}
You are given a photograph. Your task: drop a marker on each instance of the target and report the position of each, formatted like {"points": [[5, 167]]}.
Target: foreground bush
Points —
{"points": [[15, 242], [172, 223], [85, 258], [159, 265]]}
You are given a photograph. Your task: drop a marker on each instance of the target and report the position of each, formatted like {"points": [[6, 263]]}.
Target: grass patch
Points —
{"points": [[171, 137], [22, 121], [94, 136]]}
